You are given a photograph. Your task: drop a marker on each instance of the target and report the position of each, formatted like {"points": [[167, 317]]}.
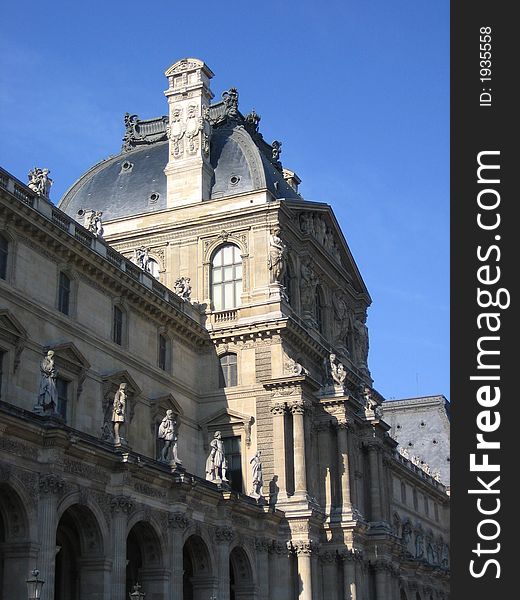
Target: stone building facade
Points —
{"points": [[212, 289], [421, 426]]}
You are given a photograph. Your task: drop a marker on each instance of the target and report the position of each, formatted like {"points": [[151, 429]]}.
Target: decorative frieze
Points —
{"points": [[178, 520], [224, 534], [121, 504]]}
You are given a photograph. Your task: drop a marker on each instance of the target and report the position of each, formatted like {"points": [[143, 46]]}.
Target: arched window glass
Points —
{"points": [[64, 294], [164, 353], [228, 376], [226, 278], [319, 309], [4, 253]]}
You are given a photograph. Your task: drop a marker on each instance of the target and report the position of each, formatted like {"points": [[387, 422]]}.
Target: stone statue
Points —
{"points": [[142, 258], [230, 99], [216, 463], [276, 150], [276, 260], [341, 319], [119, 411], [168, 433], [257, 477], [337, 371], [48, 393], [361, 341], [419, 546], [39, 181], [182, 288], [252, 121], [308, 282]]}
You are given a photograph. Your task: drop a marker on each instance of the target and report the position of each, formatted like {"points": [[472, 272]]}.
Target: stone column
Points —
{"points": [[344, 454], [177, 523], [279, 580], [330, 586], [300, 466], [349, 576], [51, 487], [262, 567], [375, 492], [121, 507], [303, 551], [223, 536], [278, 411]]}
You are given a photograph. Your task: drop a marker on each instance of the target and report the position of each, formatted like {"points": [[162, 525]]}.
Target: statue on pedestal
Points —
{"points": [[48, 393], [119, 411], [39, 181], [182, 288], [168, 433], [276, 258], [257, 479], [337, 371], [216, 463]]}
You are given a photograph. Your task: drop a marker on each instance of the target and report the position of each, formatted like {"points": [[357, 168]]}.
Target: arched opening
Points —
{"points": [[403, 595], [240, 576], [226, 277], [4, 255], [80, 562], [16, 557], [199, 582], [144, 561]]}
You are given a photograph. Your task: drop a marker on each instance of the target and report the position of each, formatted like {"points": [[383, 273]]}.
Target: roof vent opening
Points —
{"points": [[234, 179], [154, 198], [126, 166]]}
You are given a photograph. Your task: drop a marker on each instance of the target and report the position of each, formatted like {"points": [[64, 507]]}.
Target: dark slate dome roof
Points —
{"points": [[134, 182]]}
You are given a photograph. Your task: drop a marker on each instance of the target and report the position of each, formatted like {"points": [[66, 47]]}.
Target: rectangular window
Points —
{"points": [[228, 375], [426, 506], [436, 511], [117, 333], [163, 343], [64, 294], [234, 462], [62, 386]]}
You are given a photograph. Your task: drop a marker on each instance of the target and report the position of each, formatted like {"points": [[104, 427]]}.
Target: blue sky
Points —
{"points": [[357, 91]]}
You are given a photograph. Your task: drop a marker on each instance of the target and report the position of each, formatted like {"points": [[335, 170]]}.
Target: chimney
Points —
{"points": [[188, 171], [292, 179]]}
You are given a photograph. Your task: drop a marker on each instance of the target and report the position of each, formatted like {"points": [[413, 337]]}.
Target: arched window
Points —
{"points": [[415, 500], [228, 375], [4, 254], [403, 492], [320, 309], [64, 288], [226, 277]]}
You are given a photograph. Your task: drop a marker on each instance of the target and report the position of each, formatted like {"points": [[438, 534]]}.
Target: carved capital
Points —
{"points": [[304, 547], [262, 545], [51, 484], [121, 504], [328, 557], [224, 535], [298, 408], [279, 548], [278, 409], [178, 520]]}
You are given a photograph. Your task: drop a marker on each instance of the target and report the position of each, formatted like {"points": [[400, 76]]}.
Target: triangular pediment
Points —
{"points": [[10, 326], [113, 380], [165, 403], [316, 221], [69, 356], [226, 416]]}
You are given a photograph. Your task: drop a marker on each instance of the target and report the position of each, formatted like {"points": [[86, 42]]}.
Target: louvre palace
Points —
{"points": [[186, 406]]}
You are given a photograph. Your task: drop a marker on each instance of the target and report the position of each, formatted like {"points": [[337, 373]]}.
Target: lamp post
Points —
{"points": [[137, 594], [34, 586]]}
